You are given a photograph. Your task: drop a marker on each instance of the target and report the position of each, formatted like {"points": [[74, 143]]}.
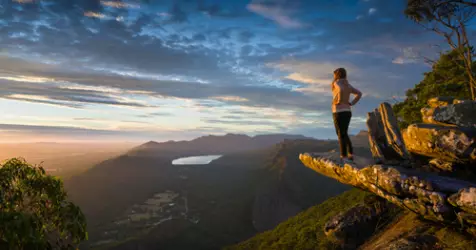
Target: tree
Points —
{"points": [[34, 212], [447, 78], [448, 18]]}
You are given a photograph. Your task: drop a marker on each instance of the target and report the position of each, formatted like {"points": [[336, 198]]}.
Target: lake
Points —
{"points": [[195, 160]]}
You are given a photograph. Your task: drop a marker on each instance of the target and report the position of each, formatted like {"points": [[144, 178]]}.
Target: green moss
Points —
{"points": [[305, 230]]}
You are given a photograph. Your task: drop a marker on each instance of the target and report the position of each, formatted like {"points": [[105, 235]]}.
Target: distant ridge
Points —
{"points": [[363, 133], [211, 144]]}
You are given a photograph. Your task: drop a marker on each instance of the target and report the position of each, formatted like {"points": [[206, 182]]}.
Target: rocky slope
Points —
{"points": [[421, 180], [394, 229], [410, 184]]}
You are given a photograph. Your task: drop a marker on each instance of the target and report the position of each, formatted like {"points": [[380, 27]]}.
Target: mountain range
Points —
{"points": [[140, 200]]}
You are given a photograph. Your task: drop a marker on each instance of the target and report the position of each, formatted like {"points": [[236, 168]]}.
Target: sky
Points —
{"points": [[90, 70]]}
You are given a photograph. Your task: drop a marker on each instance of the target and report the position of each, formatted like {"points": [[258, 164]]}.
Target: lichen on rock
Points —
{"points": [[460, 113], [465, 199], [448, 143]]}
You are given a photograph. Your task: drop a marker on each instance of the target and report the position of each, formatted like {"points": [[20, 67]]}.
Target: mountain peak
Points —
{"points": [[150, 143], [363, 133]]}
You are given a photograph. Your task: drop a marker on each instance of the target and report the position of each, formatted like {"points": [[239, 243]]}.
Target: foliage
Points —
{"points": [[447, 78], [34, 213], [305, 230], [449, 19], [429, 10]]}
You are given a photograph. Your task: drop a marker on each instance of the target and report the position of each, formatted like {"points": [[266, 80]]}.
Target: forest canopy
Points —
{"points": [[447, 78], [34, 212]]}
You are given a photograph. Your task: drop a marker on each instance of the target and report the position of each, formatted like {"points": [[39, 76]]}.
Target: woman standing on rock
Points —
{"points": [[342, 113]]}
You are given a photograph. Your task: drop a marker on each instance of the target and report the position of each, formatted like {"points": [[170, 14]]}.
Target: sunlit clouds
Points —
{"points": [[24, 1], [120, 5], [307, 79], [160, 70], [94, 14], [31, 79], [231, 98]]}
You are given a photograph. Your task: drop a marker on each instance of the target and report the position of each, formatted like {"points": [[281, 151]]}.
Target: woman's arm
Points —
{"points": [[357, 94]]}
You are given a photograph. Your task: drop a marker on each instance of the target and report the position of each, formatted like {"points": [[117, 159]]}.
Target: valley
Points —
{"points": [[64, 159], [141, 200]]}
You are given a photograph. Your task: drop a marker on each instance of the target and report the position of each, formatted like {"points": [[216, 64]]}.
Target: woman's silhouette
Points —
{"points": [[342, 112]]}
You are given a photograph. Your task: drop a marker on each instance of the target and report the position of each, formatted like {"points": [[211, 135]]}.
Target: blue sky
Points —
{"points": [[160, 70]]}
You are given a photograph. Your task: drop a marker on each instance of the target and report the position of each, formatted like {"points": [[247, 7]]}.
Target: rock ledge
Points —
{"points": [[436, 198]]}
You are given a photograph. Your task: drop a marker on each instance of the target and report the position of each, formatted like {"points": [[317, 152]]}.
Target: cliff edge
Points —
{"points": [[416, 169]]}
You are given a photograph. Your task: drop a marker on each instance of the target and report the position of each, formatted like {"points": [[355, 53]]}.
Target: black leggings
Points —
{"points": [[341, 122]]}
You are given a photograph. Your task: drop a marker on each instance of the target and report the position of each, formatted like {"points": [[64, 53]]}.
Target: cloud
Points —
{"points": [[230, 98], [308, 79], [33, 133], [120, 4], [80, 88], [311, 72], [403, 60], [372, 11], [410, 55], [276, 13], [130, 60], [246, 122], [23, 1], [94, 14], [57, 90]]}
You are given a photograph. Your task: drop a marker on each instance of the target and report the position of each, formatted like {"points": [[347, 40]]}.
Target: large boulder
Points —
{"points": [[447, 143], [465, 199], [460, 113], [385, 138], [442, 101], [351, 228], [420, 242], [441, 165]]}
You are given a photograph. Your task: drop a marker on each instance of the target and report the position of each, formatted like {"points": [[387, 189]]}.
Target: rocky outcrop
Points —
{"points": [[427, 194], [466, 199], [442, 101], [447, 136], [406, 231], [351, 228], [421, 242], [385, 138], [459, 113], [439, 165], [447, 143]]}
